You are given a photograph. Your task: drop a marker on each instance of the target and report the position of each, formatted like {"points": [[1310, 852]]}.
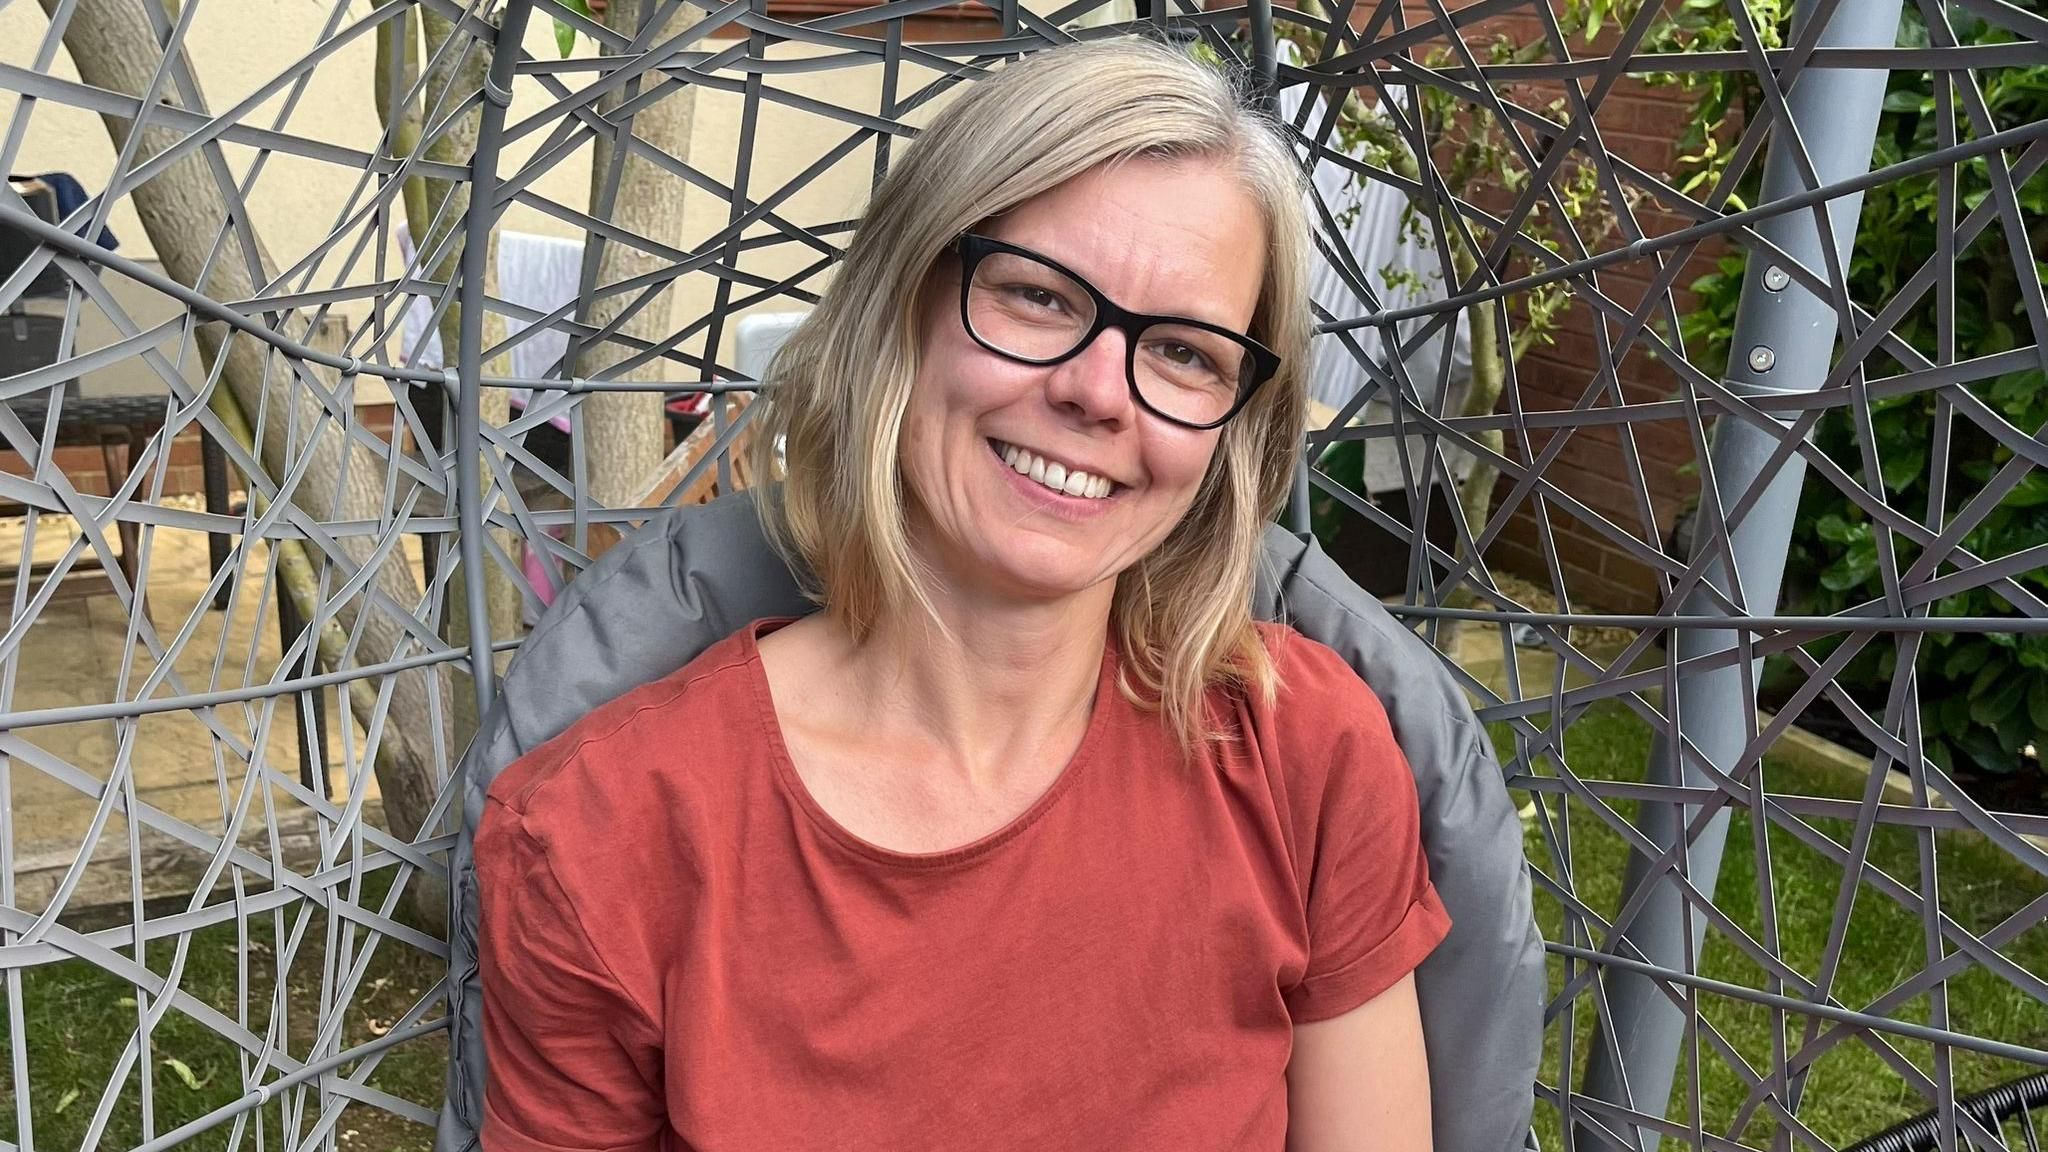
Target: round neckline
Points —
{"points": [[793, 783]]}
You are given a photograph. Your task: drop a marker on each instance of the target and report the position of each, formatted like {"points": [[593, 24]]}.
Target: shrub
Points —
{"points": [[1983, 696]]}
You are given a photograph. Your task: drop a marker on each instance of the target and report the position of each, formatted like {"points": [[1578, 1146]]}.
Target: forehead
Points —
{"points": [[1165, 236]]}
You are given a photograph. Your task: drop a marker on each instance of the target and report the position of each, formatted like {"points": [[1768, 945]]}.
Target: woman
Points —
{"points": [[1030, 839]]}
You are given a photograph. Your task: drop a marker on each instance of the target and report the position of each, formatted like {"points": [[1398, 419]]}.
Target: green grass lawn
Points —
{"points": [[79, 1019], [1851, 1092]]}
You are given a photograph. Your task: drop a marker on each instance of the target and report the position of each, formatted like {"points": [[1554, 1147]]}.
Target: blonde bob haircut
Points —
{"points": [[840, 383]]}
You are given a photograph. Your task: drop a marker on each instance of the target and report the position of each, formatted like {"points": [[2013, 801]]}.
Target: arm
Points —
{"points": [[1359, 1082], [573, 1059], [1359, 1077]]}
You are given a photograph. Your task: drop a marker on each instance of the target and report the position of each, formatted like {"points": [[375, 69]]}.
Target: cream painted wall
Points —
{"points": [[239, 46]]}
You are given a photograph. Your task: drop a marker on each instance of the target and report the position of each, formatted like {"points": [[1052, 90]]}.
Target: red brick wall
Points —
{"points": [[1641, 125], [84, 466], [1592, 466]]}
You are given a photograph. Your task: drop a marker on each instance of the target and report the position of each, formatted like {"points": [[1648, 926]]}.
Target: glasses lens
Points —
{"points": [[1189, 373], [1027, 309]]}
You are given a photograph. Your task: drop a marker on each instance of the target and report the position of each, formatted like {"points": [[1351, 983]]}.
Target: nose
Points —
{"points": [[1093, 385]]}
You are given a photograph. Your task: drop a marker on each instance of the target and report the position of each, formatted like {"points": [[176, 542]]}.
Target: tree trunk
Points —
{"points": [[183, 209], [398, 69], [1489, 374], [627, 431]]}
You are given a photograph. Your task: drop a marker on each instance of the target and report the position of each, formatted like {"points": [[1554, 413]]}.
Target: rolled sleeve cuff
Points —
{"points": [[1331, 994]]}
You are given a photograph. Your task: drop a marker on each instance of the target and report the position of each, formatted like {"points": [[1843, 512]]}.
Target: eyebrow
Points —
{"points": [[1092, 280]]}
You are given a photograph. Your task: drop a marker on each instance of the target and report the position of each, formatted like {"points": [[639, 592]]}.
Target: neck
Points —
{"points": [[999, 683]]}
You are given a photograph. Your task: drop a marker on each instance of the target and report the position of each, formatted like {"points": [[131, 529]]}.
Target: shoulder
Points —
{"points": [[1316, 687], [639, 761], [1328, 729], [622, 732], [619, 822]]}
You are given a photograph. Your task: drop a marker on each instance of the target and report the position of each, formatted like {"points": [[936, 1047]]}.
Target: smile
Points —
{"points": [[1051, 474]]}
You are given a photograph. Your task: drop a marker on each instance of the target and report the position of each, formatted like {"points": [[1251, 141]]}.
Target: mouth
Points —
{"points": [[1053, 477]]}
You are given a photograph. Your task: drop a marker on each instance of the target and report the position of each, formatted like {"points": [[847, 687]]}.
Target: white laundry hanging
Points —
{"points": [[537, 272], [1370, 214]]}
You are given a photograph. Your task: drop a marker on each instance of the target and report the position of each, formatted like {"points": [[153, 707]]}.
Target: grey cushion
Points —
{"points": [[682, 583]]}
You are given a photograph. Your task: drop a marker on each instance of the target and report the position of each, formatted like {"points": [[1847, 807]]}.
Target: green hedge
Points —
{"points": [[1984, 697]]}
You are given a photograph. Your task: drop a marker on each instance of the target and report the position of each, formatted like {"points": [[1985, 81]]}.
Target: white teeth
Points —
{"points": [[1055, 476]]}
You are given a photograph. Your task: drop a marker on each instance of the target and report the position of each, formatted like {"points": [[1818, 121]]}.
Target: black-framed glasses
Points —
{"points": [[1024, 306]]}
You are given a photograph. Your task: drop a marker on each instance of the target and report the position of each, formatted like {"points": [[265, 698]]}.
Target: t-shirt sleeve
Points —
{"points": [[574, 1062], [1372, 913]]}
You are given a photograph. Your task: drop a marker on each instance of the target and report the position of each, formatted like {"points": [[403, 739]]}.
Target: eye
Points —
{"points": [[1036, 296], [1181, 355]]}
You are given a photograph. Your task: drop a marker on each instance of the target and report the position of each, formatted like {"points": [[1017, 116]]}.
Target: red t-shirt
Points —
{"points": [[682, 950]]}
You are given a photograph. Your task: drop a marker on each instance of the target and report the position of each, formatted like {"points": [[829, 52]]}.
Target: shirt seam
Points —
{"points": [[575, 916], [574, 756]]}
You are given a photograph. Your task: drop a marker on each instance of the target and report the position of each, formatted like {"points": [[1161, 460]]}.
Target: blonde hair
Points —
{"points": [[841, 382]]}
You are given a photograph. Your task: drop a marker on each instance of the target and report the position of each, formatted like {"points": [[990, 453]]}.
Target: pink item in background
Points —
{"points": [[540, 571]]}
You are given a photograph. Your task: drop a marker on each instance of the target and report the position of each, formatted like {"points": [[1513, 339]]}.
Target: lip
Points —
{"points": [[1059, 503]]}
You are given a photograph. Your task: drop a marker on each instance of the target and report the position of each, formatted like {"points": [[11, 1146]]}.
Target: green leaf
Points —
{"points": [[2016, 387], [1993, 707], [1833, 529], [2030, 492], [1967, 658], [1857, 565], [1983, 748], [2034, 652], [183, 1071], [565, 33], [1987, 676], [2037, 705], [69, 1098], [2015, 733], [1901, 468]]}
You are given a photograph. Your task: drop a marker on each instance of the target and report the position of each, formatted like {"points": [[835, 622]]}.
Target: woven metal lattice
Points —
{"points": [[249, 575]]}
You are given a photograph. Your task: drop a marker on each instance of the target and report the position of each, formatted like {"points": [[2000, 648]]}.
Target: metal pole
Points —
{"points": [[1265, 52], [476, 248], [1784, 339]]}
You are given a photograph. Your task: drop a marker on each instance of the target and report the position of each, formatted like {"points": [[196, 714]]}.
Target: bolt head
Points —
{"points": [[1776, 278], [1761, 358]]}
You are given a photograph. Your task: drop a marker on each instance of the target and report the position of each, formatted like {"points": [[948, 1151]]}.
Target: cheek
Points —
{"points": [[1180, 461], [918, 443]]}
